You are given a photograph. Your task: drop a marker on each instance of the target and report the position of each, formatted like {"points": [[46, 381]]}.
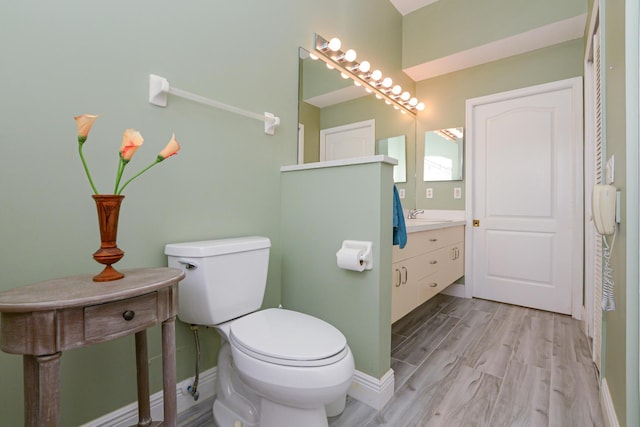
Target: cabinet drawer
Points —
{"points": [[431, 285], [117, 318], [426, 241]]}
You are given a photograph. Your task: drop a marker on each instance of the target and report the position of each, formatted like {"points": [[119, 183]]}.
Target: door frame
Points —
{"points": [[575, 84]]}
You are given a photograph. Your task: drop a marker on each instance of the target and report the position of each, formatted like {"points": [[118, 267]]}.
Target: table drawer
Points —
{"points": [[116, 318]]}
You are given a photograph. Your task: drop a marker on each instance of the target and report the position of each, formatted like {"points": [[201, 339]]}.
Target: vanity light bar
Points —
{"points": [[362, 75]]}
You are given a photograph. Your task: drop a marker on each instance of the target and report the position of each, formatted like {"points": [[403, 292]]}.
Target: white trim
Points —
{"points": [[372, 391], [575, 84], [128, 415], [300, 143], [608, 411], [547, 35], [378, 158], [455, 290]]}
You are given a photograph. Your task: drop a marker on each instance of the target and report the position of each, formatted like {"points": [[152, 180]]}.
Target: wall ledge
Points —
{"points": [[380, 158]]}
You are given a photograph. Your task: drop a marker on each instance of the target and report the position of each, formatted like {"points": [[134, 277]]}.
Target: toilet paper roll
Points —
{"points": [[351, 259]]}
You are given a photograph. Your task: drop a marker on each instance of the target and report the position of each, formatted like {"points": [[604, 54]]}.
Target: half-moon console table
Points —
{"points": [[41, 320]]}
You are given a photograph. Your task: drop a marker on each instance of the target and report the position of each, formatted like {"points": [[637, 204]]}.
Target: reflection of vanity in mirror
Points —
{"points": [[443, 154]]}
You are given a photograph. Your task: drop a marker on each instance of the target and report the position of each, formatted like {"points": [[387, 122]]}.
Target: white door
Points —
{"points": [[352, 140], [526, 160]]}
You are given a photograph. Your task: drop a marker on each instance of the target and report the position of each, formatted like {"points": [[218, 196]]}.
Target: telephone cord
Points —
{"points": [[608, 301]]}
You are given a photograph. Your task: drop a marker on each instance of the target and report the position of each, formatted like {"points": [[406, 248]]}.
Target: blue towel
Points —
{"points": [[399, 229]]}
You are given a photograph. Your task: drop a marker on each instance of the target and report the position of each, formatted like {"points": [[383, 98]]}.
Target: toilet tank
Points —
{"points": [[224, 279]]}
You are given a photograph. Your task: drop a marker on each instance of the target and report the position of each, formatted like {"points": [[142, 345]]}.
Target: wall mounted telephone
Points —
{"points": [[604, 201], [604, 208]]}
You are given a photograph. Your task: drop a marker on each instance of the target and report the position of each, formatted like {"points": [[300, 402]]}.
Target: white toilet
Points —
{"points": [[276, 367]]}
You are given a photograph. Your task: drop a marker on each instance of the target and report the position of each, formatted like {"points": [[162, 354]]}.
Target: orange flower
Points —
{"points": [[131, 141], [171, 149], [84, 123]]}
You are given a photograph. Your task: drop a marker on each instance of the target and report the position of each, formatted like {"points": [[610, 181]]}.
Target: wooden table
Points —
{"points": [[41, 320]]}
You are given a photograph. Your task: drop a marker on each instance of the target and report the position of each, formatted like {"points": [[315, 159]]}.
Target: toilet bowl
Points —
{"points": [[276, 367]]}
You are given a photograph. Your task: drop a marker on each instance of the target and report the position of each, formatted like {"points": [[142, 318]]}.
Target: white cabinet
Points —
{"points": [[431, 261]]}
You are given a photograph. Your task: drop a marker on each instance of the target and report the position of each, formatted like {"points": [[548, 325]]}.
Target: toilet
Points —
{"points": [[276, 367]]}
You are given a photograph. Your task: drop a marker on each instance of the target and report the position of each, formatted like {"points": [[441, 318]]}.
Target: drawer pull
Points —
{"points": [[406, 275], [433, 261], [433, 239], [129, 315], [399, 282], [433, 285]]}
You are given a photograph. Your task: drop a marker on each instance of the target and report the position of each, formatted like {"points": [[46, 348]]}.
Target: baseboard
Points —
{"points": [[128, 415], [608, 411], [371, 391], [455, 290]]}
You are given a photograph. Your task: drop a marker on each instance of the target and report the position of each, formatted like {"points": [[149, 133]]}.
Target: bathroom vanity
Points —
{"points": [[432, 260]]}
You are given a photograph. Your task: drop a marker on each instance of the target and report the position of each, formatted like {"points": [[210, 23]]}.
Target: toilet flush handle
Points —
{"points": [[188, 264]]}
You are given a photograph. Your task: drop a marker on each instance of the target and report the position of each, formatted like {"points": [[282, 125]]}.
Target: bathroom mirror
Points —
{"points": [[443, 154], [326, 100], [395, 147]]}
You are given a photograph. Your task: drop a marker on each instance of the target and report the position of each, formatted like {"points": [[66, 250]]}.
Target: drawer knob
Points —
{"points": [[129, 315], [433, 285]]}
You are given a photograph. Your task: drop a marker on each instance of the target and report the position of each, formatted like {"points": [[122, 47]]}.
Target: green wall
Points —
{"points": [[343, 207], [62, 59], [451, 26], [620, 327]]}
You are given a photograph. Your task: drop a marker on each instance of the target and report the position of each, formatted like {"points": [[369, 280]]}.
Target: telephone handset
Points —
{"points": [[604, 208]]}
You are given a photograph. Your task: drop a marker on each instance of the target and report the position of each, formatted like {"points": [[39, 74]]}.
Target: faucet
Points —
{"points": [[414, 212]]}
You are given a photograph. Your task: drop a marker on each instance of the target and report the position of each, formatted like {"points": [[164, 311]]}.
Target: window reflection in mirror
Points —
{"points": [[395, 147], [443, 151]]}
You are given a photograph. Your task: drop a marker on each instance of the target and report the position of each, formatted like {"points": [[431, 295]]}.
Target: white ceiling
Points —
{"points": [[407, 6]]}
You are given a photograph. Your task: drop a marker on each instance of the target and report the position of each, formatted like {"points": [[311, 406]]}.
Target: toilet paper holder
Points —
{"points": [[366, 259]]}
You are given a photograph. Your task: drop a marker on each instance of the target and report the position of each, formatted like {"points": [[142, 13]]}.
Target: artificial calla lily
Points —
{"points": [[171, 149], [84, 123], [131, 141]]}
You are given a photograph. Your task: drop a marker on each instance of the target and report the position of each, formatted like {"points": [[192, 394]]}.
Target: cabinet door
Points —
{"points": [[404, 294]]}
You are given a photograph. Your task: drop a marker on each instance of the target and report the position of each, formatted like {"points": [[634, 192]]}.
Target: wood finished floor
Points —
{"points": [[470, 362]]}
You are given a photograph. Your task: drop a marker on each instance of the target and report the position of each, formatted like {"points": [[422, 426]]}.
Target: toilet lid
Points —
{"points": [[288, 337]]}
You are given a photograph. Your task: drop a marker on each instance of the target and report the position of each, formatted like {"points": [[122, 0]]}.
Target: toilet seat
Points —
{"points": [[289, 338]]}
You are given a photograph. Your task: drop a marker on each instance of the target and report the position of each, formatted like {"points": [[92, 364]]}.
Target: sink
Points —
{"points": [[426, 221]]}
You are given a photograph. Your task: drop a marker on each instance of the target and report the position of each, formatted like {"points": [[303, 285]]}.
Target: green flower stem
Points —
{"points": [[121, 164], [158, 160], [86, 169]]}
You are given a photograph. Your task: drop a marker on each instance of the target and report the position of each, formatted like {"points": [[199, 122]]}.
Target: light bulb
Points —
{"points": [[378, 96], [405, 96], [420, 106], [344, 76], [312, 56], [368, 89], [357, 83], [386, 101], [330, 66], [364, 66], [413, 102], [350, 55], [396, 90], [376, 75], [335, 44], [403, 112], [387, 82]]}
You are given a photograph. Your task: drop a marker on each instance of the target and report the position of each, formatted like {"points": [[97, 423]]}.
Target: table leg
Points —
{"points": [[169, 371], [142, 368], [41, 390]]}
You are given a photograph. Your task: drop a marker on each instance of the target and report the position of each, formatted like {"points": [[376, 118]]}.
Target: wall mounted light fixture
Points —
{"points": [[362, 75]]}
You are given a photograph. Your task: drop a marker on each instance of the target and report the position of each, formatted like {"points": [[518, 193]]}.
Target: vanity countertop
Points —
{"points": [[423, 224]]}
